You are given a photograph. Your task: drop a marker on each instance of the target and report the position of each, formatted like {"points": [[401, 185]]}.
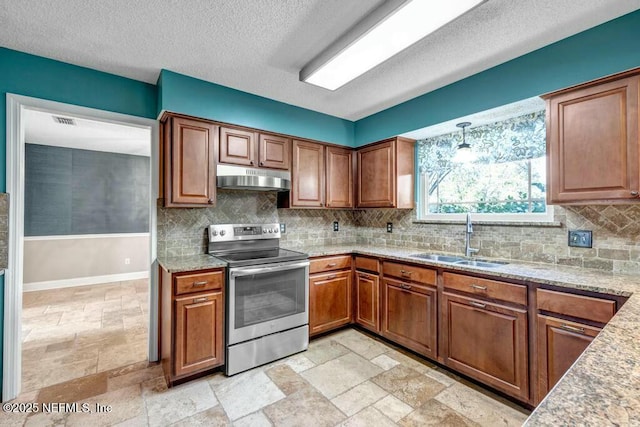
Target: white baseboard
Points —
{"points": [[83, 281]]}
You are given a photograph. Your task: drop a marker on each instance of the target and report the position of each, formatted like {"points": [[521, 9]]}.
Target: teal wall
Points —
{"points": [[187, 95], [602, 50], [30, 75]]}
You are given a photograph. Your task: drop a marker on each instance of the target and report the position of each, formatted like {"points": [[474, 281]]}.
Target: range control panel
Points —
{"points": [[228, 232]]}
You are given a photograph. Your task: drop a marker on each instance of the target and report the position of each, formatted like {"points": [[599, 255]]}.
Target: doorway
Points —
{"points": [[80, 287]]}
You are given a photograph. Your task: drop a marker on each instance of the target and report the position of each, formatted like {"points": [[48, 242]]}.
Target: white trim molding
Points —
{"points": [[84, 281], [13, 286], [85, 236]]}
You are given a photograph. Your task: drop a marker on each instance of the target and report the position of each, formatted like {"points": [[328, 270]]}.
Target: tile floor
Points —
{"points": [[345, 379], [69, 333]]}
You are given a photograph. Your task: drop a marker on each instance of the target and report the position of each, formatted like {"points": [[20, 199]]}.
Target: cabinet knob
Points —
{"points": [[261, 163], [634, 193], [251, 162], [210, 201]]}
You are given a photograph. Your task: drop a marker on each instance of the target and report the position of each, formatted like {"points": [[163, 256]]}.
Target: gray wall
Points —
{"points": [[70, 191]]}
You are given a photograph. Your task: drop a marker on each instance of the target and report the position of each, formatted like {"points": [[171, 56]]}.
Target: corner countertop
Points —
{"points": [[190, 263], [601, 388]]}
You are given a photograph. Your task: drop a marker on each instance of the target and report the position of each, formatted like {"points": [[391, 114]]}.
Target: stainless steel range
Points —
{"points": [[267, 311]]}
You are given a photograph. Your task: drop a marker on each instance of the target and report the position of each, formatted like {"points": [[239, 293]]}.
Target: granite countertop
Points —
{"points": [[190, 263], [601, 388]]}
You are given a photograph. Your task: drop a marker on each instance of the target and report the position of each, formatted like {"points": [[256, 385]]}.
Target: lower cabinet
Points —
{"points": [[409, 316], [560, 343], [329, 301], [487, 341], [198, 334], [367, 307], [191, 323]]}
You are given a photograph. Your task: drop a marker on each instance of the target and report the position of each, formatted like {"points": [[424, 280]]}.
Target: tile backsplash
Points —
{"points": [[616, 231]]}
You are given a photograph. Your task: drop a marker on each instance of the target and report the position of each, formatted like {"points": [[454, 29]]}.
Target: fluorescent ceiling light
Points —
{"points": [[354, 55]]}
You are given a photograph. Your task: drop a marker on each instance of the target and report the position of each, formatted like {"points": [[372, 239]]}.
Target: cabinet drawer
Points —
{"points": [[330, 263], [486, 288], [409, 286], [188, 283], [365, 263], [596, 309], [409, 272]]}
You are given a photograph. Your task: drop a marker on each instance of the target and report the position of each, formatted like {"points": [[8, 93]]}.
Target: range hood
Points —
{"points": [[243, 178]]}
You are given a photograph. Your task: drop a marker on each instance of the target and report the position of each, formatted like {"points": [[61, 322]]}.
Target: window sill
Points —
{"points": [[550, 224]]}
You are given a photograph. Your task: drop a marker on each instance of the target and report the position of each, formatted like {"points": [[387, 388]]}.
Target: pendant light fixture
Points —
{"points": [[464, 153]]}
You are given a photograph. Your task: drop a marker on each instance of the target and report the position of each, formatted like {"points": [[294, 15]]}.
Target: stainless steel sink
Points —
{"points": [[441, 258], [452, 259], [476, 263]]}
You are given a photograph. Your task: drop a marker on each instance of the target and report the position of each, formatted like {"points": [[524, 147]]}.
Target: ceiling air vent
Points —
{"points": [[64, 120]]}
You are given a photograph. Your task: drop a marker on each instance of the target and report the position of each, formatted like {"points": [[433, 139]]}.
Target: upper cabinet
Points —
{"points": [[189, 166], [245, 147], [339, 177], [592, 141], [386, 174], [274, 152], [321, 176]]}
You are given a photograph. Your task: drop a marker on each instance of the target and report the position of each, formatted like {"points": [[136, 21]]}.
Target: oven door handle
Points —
{"points": [[243, 271]]}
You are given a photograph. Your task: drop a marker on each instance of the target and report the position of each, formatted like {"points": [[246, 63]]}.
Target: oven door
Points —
{"points": [[267, 299]]}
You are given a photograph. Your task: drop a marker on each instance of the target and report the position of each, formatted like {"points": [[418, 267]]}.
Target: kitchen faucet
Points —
{"points": [[468, 250]]}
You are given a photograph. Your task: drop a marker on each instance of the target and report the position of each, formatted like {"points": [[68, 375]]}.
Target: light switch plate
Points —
{"points": [[283, 228], [580, 238], [336, 226], [389, 227]]}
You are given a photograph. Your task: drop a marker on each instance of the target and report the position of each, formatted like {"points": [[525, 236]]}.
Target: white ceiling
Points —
{"points": [[41, 128], [259, 46]]}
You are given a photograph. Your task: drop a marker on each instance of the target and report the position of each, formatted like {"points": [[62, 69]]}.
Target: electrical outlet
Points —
{"points": [[127, 261], [283, 228], [336, 226], [389, 227], [580, 238]]}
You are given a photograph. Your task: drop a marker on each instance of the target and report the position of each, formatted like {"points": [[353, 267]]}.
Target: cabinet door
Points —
{"points": [[275, 151], [560, 343], [339, 178], [487, 342], [193, 165], [409, 316], [377, 176], [329, 301], [593, 142], [367, 300], [238, 146], [307, 175], [198, 334]]}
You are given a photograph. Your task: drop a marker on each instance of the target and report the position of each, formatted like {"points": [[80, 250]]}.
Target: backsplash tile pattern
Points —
{"points": [[315, 226], [616, 234], [181, 232], [616, 231]]}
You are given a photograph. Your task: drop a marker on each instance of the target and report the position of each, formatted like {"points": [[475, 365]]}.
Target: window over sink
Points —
{"points": [[505, 180]]}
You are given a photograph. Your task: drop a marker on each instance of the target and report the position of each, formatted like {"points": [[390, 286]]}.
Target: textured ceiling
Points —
{"points": [[259, 46], [41, 128]]}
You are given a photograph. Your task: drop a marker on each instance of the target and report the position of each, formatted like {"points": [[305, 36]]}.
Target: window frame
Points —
{"points": [[423, 213]]}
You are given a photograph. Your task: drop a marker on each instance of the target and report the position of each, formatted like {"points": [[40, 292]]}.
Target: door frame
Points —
{"points": [[13, 286]]}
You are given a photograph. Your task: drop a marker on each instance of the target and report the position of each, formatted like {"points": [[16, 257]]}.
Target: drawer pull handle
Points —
{"points": [[634, 193], [405, 286], [363, 276], [333, 264], [572, 328], [196, 300], [478, 304], [406, 273], [331, 276], [481, 288], [199, 283]]}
